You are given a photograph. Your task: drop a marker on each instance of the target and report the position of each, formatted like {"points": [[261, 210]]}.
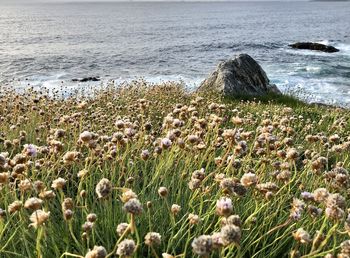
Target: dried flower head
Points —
{"points": [[153, 238], [302, 236], [38, 218], [126, 248], [224, 206], [133, 206], [103, 188], [97, 252], [202, 245]]}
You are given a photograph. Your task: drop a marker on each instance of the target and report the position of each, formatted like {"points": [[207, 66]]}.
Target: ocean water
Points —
{"points": [[50, 44]]}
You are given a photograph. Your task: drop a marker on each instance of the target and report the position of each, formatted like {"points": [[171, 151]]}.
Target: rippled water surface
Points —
{"points": [[51, 43]]}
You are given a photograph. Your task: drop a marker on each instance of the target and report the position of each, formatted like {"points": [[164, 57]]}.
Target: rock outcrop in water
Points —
{"points": [[87, 79], [239, 76], [314, 46]]}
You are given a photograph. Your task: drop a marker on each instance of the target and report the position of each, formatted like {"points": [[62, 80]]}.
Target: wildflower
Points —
{"points": [[15, 206], [58, 183], [145, 154], [19, 169], [334, 213], [71, 156], [175, 209], [230, 234], [345, 248], [67, 204], [47, 195], [91, 217], [30, 150], [119, 124], [103, 188], [165, 143], [85, 136], [4, 177], [224, 207], [126, 248], [202, 245], [321, 194], [121, 228], [33, 203], [292, 154], [68, 214], [193, 218], [217, 240], [133, 206], [249, 179], [97, 252], [163, 192], [302, 236], [127, 195], [152, 239], [335, 200], [38, 218], [87, 226], [82, 173], [232, 220]]}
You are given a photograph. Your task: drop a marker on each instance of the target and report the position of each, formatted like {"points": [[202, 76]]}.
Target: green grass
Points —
{"points": [[266, 230]]}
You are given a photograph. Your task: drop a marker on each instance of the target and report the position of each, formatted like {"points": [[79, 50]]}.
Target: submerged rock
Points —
{"points": [[87, 79], [241, 75], [314, 46]]}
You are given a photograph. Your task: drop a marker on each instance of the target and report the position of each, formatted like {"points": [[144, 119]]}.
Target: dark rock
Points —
{"points": [[314, 46], [241, 75], [87, 79]]}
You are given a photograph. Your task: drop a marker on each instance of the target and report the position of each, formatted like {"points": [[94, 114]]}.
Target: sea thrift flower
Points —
{"points": [[91, 217], [87, 226], [68, 214], [38, 218], [121, 228], [152, 239], [126, 248], [321, 194], [133, 206], [224, 207], [249, 179], [67, 204], [163, 192], [217, 240], [193, 218], [85, 136], [175, 209], [15, 206], [33, 203], [232, 220], [302, 236], [97, 252], [103, 188], [202, 245], [30, 150], [165, 143], [127, 195], [145, 154], [4, 177], [230, 234], [58, 183]]}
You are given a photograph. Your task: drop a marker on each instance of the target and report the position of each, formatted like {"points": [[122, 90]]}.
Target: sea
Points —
{"points": [[46, 45]]}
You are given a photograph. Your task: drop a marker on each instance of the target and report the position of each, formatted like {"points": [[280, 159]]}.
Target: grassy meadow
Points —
{"points": [[156, 171]]}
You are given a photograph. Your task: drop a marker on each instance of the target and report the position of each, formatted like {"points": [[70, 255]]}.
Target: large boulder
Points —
{"points": [[239, 76], [314, 46]]}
